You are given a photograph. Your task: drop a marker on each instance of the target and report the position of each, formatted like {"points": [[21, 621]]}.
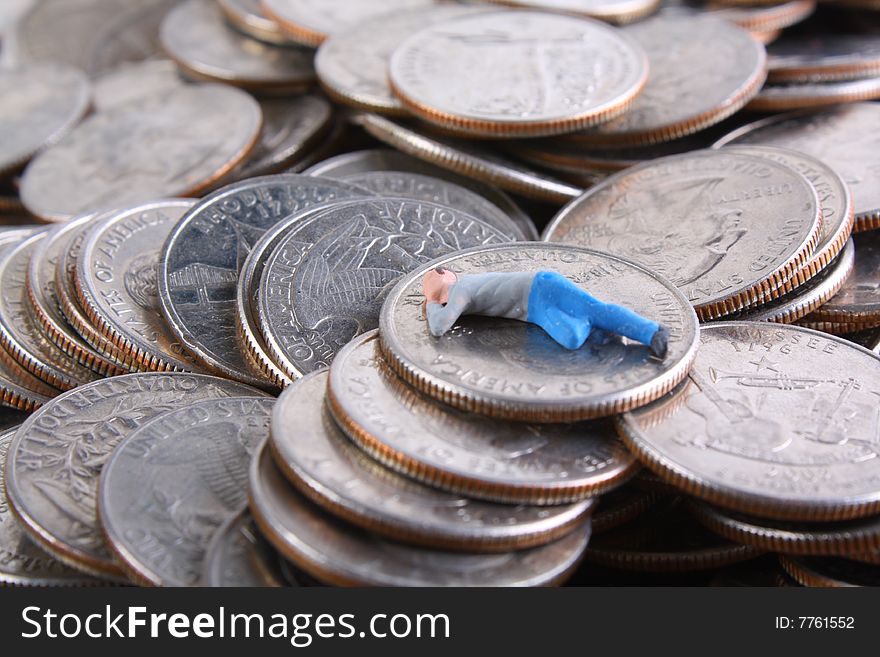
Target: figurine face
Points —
{"points": [[436, 284]]}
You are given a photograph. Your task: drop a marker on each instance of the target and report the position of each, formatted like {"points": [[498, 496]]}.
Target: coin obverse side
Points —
{"points": [[352, 66], [41, 104], [517, 72], [321, 462], [116, 286], [198, 38], [729, 229], [843, 137], [702, 70], [239, 556], [311, 22], [21, 335], [56, 457], [335, 552], [462, 452], [171, 483], [175, 144], [774, 421], [45, 303], [22, 563], [514, 370], [205, 252], [325, 282]]}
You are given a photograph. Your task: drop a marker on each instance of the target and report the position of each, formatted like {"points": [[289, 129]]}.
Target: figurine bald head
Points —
{"points": [[436, 283]]}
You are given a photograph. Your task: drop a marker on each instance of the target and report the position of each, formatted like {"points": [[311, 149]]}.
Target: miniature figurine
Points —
{"points": [[564, 310]]}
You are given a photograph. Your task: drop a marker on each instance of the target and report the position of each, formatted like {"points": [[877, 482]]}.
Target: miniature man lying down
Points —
{"points": [[565, 311]]}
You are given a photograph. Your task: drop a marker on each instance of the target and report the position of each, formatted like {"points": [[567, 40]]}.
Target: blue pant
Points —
{"points": [[568, 313]]}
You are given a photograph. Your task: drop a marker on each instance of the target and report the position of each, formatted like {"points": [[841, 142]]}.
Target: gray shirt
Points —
{"points": [[496, 294]]}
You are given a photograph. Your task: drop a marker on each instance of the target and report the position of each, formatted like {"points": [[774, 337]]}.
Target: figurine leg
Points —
{"points": [[554, 290], [568, 331]]}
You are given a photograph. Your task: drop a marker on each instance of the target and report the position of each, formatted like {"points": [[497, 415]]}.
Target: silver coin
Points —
{"points": [[291, 128], [171, 484], [18, 387], [10, 12], [352, 65], [367, 161], [334, 552], [794, 96], [65, 289], [774, 421], [45, 303], [56, 457], [465, 453], [613, 11], [729, 229], [858, 301], [195, 35], [844, 138], [325, 282], [466, 160], [311, 21], [515, 72], [835, 200], [805, 298], [21, 562], [427, 188], [239, 556], [823, 55], [20, 334], [205, 252], [93, 35], [135, 83], [247, 17], [326, 467], [702, 70], [174, 144], [512, 369], [41, 104], [116, 286]]}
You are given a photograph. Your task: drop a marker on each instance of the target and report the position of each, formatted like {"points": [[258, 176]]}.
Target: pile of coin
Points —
{"points": [[214, 360]]}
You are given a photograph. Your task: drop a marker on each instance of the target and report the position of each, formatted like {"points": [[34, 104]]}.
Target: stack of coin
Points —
{"points": [[247, 194]]}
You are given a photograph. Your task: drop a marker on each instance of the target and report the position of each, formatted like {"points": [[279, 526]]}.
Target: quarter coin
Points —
{"points": [[352, 65], [818, 56], [702, 70], [388, 160], [206, 250], [45, 303], [20, 334], [729, 229], [337, 553], [247, 17], [479, 457], [774, 421], [177, 143], [195, 35], [842, 137], [858, 301], [56, 457], [464, 159], [840, 538], [116, 286], [783, 97], [318, 459], [517, 73], [310, 22], [22, 563], [514, 370], [41, 104], [325, 281], [135, 83], [169, 486], [239, 556]]}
